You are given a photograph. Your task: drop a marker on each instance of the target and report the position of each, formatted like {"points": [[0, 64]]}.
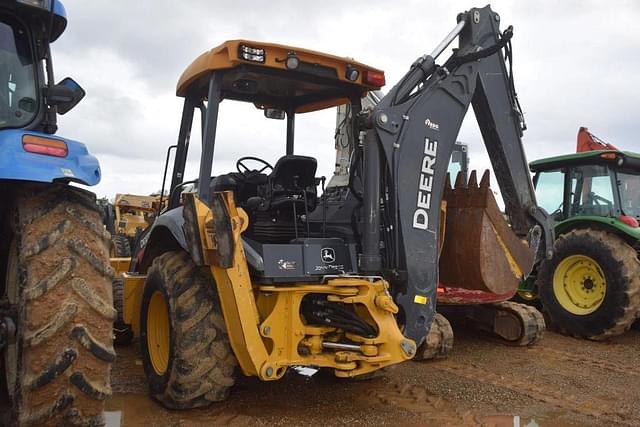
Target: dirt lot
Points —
{"points": [[559, 382]]}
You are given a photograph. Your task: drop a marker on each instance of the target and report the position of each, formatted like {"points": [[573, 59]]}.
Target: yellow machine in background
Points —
{"points": [[131, 215]]}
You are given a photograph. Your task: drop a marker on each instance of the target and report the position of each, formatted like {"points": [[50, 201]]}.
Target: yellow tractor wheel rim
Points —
{"points": [[579, 285], [158, 335]]}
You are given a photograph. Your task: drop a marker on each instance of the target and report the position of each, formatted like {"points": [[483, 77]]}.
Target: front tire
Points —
{"points": [[58, 279], [591, 286], [186, 353]]}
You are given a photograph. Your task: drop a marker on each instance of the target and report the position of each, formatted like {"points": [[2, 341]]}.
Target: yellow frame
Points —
{"points": [[265, 328]]}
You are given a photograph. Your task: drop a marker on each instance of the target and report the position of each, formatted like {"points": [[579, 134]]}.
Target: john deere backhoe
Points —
{"points": [[256, 269]]}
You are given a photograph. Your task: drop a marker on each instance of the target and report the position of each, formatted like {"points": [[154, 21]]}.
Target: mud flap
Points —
{"points": [[481, 251]]}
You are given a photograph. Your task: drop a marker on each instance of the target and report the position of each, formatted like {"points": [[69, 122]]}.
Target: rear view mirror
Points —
{"points": [[274, 113], [65, 95]]}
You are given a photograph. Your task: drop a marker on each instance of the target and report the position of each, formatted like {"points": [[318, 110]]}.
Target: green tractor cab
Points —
{"points": [[591, 286]]}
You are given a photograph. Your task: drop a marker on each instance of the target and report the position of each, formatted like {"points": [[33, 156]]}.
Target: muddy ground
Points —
{"points": [[559, 382]]}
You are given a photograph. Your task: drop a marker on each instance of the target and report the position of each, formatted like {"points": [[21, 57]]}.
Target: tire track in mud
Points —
{"points": [[540, 392], [596, 363], [417, 399]]}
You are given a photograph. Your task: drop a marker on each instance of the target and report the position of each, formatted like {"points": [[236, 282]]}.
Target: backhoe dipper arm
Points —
{"points": [[414, 128]]}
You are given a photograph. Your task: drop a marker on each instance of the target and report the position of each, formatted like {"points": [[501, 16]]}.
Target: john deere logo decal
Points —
{"points": [[328, 255]]}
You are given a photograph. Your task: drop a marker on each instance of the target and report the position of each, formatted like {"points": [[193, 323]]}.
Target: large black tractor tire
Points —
{"points": [[58, 281], [186, 353], [120, 247], [583, 260]]}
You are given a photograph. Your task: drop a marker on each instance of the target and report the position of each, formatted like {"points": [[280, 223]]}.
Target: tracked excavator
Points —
{"points": [[255, 268]]}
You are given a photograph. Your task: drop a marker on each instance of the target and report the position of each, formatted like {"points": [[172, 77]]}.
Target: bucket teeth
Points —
{"points": [[486, 178], [459, 181], [473, 180]]}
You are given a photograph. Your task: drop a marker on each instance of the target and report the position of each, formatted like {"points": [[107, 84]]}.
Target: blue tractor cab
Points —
{"points": [[30, 100]]}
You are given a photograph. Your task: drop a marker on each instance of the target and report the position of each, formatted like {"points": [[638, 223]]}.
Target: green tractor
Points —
{"points": [[590, 288]]}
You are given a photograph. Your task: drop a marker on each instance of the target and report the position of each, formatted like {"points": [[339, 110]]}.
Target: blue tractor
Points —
{"points": [[56, 308]]}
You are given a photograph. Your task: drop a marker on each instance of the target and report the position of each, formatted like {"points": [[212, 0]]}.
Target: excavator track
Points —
{"points": [[513, 323], [532, 323]]}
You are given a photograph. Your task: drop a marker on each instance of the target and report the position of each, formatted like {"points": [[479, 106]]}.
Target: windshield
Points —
{"points": [[17, 84], [629, 184]]}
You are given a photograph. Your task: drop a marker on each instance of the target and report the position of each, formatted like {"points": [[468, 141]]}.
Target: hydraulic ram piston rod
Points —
{"points": [[340, 346], [447, 40], [424, 66]]}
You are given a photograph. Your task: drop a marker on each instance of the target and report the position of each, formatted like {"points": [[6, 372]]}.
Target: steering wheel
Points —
{"points": [[244, 170]]}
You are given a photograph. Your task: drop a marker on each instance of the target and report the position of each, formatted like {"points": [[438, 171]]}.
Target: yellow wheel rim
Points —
{"points": [[158, 338], [579, 284]]}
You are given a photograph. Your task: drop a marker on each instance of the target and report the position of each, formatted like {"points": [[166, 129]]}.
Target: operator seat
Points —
{"points": [[293, 183]]}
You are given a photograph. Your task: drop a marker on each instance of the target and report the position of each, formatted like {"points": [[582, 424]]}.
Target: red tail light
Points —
{"points": [[46, 146], [629, 220], [374, 78]]}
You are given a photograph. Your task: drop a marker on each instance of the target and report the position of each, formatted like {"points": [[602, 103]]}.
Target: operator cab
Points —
{"points": [[286, 214]]}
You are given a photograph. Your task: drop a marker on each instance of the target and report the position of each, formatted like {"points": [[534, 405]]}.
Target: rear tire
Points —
{"points": [[59, 281], [186, 353], [601, 260], [120, 247]]}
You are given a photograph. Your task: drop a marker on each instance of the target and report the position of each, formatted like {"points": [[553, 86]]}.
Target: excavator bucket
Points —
{"points": [[480, 252]]}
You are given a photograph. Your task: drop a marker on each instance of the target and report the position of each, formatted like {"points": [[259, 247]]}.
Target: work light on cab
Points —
{"points": [[352, 73], [249, 53], [292, 61]]}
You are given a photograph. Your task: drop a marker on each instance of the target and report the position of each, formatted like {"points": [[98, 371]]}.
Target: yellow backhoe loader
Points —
{"points": [[256, 268]]}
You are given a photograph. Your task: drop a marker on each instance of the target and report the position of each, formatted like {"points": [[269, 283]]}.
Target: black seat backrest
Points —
{"points": [[293, 177]]}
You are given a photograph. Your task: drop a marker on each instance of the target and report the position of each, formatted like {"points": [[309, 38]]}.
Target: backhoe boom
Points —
{"points": [[416, 126]]}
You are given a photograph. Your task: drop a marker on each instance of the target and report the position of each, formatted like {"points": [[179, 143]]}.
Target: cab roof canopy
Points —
{"points": [[277, 76]]}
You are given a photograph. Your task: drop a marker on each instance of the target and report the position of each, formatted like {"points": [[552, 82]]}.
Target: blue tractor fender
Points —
{"points": [[17, 164]]}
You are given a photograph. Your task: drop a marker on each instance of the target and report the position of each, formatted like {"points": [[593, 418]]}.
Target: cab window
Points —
{"points": [[550, 192], [17, 76]]}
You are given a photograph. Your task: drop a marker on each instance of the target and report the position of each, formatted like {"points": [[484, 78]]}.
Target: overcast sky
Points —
{"points": [[575, 64]]}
